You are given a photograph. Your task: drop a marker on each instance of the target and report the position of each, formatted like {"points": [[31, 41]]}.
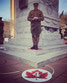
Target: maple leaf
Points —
{"points": [[30, 75], [44, 75]]}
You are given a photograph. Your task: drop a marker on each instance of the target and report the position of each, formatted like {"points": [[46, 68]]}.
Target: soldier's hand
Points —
{"points": [[35, 18]]}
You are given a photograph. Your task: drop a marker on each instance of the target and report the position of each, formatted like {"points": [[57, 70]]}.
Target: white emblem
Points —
{"points": [[36, 75]]}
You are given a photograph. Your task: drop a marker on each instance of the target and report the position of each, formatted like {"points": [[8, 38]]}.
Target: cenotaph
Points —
{"points": [[51, 44]]}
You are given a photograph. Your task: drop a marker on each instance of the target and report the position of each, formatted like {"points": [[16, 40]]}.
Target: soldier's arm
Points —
{"points": [[41, 17], [30, 18]]}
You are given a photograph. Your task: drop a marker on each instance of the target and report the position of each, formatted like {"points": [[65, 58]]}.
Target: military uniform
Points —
{"points": [[35, 24]]}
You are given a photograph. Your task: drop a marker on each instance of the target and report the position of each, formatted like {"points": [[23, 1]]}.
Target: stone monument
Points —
{"points": [[52, 45]]}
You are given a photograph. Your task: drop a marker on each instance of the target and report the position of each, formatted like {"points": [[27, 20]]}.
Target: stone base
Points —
{"points": [[36, 58]]}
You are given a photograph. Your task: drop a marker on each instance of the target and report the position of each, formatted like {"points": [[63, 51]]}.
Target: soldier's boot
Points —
{"points": [[36, 47], [33, 47]]}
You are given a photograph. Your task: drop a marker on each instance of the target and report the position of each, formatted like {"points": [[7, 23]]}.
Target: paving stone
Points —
{"points": [[59, 76], [7, 81], [7, 61], [60, 80]]}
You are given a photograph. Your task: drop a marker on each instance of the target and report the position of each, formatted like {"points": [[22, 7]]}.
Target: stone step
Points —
{"points": [[42, 35], [33, 59], [52, 42], [44, 49], [28, 42]]}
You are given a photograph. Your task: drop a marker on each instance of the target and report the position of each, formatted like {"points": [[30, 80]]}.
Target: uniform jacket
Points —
{"points": [[36, 24]]}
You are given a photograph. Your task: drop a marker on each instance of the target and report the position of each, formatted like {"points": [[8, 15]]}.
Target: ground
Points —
{"points": [[8, 65]]}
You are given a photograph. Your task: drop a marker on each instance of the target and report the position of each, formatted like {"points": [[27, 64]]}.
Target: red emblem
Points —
{"points": [[37, 74]]}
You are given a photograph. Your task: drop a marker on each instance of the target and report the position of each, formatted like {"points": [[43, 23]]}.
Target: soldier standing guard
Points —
{"points": [[35, 17]]}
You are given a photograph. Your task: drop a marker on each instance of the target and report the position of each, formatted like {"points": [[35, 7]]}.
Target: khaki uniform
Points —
{"points": [[36, 24]]}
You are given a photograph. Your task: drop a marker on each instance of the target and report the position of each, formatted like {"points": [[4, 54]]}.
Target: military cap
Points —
{"points": [[35, 3]]}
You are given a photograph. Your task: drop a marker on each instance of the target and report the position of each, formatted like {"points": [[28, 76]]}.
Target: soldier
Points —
{"points": [[35, 17]]}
